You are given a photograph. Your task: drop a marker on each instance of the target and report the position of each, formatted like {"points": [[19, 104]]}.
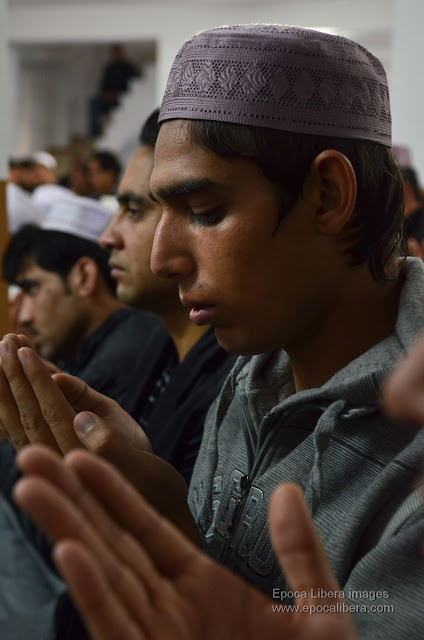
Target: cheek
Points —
{"points": [[53, 300], [44, 308], [51, 305], [140, 245], [140, 266]]}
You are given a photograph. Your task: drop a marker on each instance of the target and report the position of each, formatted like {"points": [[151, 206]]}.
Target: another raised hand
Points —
{"points": [[403, 394], [36, 407], [64, 413], [32, 408], [134, 576], [415, 248]]}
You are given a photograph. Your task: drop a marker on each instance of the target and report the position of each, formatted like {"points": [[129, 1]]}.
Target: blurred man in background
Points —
{"points": [[69, 306], [104, 168]]}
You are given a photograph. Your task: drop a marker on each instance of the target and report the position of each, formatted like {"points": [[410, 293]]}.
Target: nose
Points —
{"points": [[111, 238], [24, 316], [171, 252]]}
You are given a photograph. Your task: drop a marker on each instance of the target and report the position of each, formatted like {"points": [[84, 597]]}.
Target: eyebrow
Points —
{"points": [[187, 187], [131, 196], [26, 283]]}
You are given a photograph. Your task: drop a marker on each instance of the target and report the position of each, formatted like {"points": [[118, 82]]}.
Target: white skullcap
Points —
{"points": [[82, 217], [12, 291], [110, 202], [45, 159], [20, 208], [46, 195]]}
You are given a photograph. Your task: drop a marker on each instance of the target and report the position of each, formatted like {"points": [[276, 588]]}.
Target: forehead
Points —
{"points": [[30, 270], [136, 177], [178, 159]]}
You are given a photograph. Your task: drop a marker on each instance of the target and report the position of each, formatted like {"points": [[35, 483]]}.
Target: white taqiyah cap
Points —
{"points": [[21, 209], [46, 159], [46, 195], [82, 217], [110, 202]]}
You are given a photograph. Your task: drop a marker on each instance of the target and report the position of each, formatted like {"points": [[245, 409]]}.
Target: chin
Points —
{"points": [[240, 345], [127, 296]]}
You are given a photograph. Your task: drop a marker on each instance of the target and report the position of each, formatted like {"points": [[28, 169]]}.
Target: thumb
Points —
{"points": [[78, 393], [93, 433], [298, 546]]}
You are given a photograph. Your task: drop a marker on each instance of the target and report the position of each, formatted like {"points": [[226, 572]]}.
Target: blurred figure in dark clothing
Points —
{"points": [[114, 81], [117, 74]]}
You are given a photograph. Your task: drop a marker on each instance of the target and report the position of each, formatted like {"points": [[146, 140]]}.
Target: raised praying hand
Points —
{"points": [[63, 413], [134, 576]]}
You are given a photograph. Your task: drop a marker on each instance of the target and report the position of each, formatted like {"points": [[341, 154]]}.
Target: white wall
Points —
{"points": [[171, 23], [5, 93], [408, 79]]}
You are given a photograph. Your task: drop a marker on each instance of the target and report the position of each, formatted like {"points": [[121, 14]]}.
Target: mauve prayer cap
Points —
{"points": [[286, 78], [82, 217]]}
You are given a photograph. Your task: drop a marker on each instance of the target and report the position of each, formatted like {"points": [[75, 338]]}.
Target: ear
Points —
{"points": [[333, 181], [84, 277]]}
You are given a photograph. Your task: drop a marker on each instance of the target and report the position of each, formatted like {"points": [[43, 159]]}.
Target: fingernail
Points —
{"points": [[83, 422], [4, 348], [22, 355]]}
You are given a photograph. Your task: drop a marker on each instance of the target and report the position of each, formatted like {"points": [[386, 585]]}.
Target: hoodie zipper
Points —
{"points": [[256, 455]]}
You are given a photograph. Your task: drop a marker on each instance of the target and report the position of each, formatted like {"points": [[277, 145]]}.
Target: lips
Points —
{"points": [[116, 270], [202, 315], [116, 273]]}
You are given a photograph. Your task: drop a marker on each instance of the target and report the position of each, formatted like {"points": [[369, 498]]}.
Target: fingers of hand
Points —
{"points": [[11, 378], [298, 546], [112, 426], [25, 341], [106, 617], [16, 339], [44, 413], [115, 440], [55, 409], [125, 505], [95, 436], [82, 397], [61, 505]]}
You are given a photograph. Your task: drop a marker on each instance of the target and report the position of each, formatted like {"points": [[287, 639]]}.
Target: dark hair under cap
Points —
{"points": [[150, 130]]}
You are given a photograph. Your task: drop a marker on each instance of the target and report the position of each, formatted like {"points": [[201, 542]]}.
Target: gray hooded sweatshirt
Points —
{"points": [[356, 467]]}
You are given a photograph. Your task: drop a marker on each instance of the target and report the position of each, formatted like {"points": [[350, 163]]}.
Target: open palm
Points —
{"points": [[134, 576]]}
